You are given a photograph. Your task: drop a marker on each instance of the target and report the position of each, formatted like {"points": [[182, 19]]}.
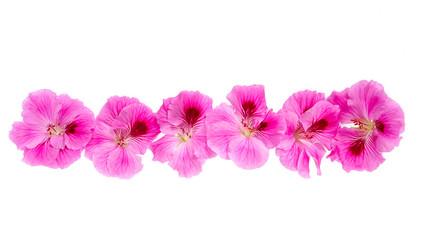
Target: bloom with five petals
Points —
{"points": [[245, 131], [124, 129], [182, 120], [54, 130], [372, 124], [311, 123]]}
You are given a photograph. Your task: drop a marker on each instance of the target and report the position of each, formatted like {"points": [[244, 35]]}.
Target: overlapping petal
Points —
{"points": [[302, 101], [41, 108], [355, 151], [389, 127], [113, 107], [26, 135], [322, 122], [223, 126], [249, 102], [248, 152]]}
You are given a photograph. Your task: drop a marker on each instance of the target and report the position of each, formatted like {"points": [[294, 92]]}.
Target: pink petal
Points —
{"points": [[70, 108], [79, 131], [289, 156], [186, 162], [163, 120], [43, 154], [113, 107], [354, 151], [103, 134], [25, 135], [322, 121], [285, 144], [41, 108], [165, 147], [303, 165], [248, 152], [67, 156], [291, 122], [116, 161], [222, 127], [341, 99], [57, 141], [302, 101], [141, 125], [295, 159], [200, 147], [249, 102], [271, 129], [288, 139], [363, 101], [123, 164], [389, 126], [316, 151], [99, 155], [185, 157], [367, 99], [189, 109]]}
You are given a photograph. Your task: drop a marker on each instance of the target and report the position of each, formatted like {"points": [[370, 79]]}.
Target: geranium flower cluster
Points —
{"points": [[355, 125]]}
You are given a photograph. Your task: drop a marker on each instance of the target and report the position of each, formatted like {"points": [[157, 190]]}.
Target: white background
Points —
{"points": [[154, 49]]}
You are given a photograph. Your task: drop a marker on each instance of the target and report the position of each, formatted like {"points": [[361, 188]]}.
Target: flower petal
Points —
{"points": [[355, 151], [70, 108], [222, 127], [25, 135], [249, 102], [103, 134], [303, 165], [122, 163], [248, 152], [67, 156], [116, 161], [363, 100], [341, 99], [140, 124], [289, 156], [43, 154], [188, 109], [367, 99], [100, 154], [164, 148], [185, 157], [271, 129], [41, 108], [302, 101], [57, 141], [389, 126], [79, 131], [322, 122], [316, 151], [163, 120], [186, 162], [200, 147], [113, 107]]}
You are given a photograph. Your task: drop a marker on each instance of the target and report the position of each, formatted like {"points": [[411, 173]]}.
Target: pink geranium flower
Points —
{"points": [[124, 128], [184, 146], [311, 123], [54, 129], [375, 123], [245, 131]]}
